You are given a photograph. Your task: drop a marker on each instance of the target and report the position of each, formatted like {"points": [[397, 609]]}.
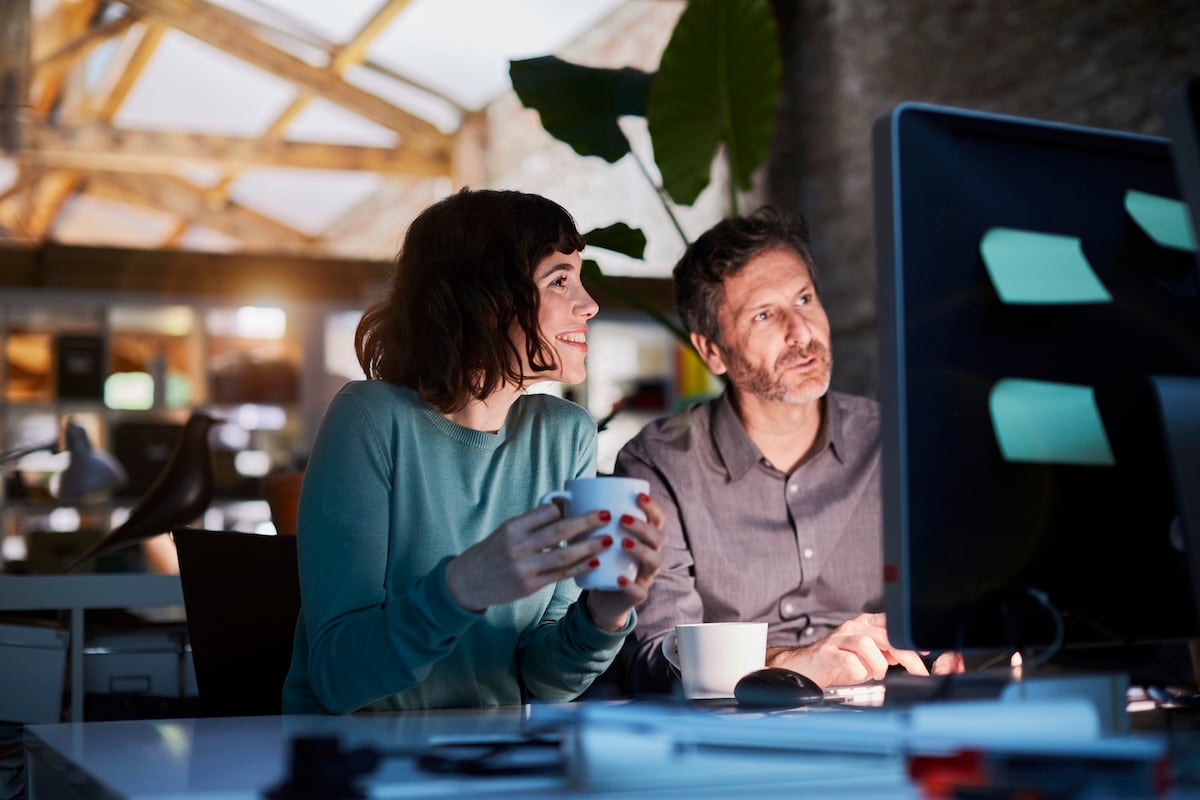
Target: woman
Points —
{"points": [[427, 581]]}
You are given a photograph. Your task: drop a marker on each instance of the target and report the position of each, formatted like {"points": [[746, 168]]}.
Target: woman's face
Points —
{"points": [[565, 308]]}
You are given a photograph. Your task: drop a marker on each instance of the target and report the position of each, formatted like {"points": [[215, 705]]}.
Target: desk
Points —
{"points": [[242, 757], [234, 758], [78, 593]]}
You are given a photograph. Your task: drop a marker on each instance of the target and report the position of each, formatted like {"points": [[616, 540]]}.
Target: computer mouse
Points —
{"points": [[776, 687]]}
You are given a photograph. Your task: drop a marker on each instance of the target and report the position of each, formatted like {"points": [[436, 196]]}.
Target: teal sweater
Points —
{"points": [[392, 491]]}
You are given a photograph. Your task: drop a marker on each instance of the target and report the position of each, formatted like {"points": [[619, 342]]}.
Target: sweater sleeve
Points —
{"points": [[566, 651], [365, 642]]}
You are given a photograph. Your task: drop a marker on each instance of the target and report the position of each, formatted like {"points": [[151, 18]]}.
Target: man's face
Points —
{"points": [[774, 332]]}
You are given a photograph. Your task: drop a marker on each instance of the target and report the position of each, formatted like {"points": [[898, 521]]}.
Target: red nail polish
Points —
{"points": [[595, 562], [627, 544], [606, 540], [643, 498], [622, 581], [605, 516], [626, 519]]}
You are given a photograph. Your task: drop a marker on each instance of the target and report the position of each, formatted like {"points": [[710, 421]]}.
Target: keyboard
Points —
{"points": [[900, 689]]}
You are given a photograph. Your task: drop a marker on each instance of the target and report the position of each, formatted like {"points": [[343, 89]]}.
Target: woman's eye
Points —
{"points": [[559, 282]]}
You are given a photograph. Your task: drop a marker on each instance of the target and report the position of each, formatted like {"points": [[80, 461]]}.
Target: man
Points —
{"points": [[772, 489]]}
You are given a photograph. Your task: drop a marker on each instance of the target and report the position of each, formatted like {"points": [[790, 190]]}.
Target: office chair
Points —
{"points": [[241, 595]]}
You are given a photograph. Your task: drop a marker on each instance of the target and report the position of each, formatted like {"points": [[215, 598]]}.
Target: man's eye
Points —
{"points": [[804, 300], [761, 316]]}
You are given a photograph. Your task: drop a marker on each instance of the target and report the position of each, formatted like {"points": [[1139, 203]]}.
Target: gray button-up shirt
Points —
{"points": [[747, 542]]}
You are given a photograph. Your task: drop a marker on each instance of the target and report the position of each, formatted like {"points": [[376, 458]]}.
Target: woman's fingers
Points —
{"points": [[544, 528]]}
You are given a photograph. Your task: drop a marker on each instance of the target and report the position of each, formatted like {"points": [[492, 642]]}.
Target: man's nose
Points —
{"points": [[799, 330]]}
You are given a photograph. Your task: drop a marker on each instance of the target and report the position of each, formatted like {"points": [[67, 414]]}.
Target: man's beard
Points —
{"points": [[775, 386]]}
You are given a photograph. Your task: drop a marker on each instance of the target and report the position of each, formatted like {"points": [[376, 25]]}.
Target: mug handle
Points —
{"points": [[670, 649], [559, 494]]}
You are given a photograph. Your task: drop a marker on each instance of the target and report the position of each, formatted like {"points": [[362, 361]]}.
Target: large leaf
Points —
{"points": [[620, 238], [580, 105], [717, 83]]}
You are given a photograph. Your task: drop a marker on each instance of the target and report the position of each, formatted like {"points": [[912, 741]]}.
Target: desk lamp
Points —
{"points": [[89, 471], [180, 493]]}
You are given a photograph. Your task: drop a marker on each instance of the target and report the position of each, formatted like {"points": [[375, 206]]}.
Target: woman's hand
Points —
{"points": [[610, 609], [523, 555]]}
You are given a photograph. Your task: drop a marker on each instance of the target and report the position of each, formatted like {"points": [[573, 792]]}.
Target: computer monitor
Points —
{"points": [[1033, 280]]}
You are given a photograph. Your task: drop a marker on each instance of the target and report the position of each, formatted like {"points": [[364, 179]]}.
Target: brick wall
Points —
{"points": [[1104, 63]]}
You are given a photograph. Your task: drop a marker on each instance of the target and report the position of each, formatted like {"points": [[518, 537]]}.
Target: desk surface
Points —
{"points": [[245, 757]]}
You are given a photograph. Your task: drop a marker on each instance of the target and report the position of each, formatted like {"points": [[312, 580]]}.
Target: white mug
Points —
{"points": [[713, 656], [618, 496]]}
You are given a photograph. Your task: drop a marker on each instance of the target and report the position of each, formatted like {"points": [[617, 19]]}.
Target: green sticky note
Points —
{"points": [[1029, 267], [1049, 423], [1164, 219]]}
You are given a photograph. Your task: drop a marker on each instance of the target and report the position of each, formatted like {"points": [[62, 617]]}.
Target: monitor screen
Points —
{"points": [[1033, 279]]}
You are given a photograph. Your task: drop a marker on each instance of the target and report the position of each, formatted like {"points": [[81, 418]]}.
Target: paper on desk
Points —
{"points": [[1028, 267], [1048, 423], [643, 747], [1164, 219]]}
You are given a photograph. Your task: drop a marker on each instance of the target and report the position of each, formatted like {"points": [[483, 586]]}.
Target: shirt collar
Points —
{"points": [[738, 451]]}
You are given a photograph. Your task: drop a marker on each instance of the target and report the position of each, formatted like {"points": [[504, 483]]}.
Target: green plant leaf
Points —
{"points": [[580, 105], [620, 238], [717, 84]]}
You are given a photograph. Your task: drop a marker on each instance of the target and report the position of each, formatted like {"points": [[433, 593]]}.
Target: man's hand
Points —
{"points": [[858, 650]]}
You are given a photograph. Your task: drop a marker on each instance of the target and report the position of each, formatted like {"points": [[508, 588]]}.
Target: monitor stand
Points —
{"points": [[1179, 400]]}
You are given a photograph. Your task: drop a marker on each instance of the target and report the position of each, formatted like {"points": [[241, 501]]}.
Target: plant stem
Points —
{"points": [[662, 196]]}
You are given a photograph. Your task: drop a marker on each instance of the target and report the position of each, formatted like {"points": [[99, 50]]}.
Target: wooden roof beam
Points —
{"points": [[83, 44], [234, 277], [104, 147], [176, 196], [230, 32]]}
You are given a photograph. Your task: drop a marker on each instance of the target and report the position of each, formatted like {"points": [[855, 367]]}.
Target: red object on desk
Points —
{"points": [[1034, 776]]}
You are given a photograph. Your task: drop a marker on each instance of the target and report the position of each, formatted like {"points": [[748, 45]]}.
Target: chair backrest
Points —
{"points": [[241, 594]]}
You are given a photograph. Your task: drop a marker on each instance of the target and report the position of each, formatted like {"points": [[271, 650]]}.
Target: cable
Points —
{"points": [[1059, 632]]}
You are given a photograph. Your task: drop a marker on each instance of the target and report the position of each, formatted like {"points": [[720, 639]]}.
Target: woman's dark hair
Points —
{"points": [[464, 276], [721, 252]]}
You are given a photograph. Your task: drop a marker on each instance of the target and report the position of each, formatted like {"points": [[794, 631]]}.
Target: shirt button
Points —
{"points": [[809, 631], [788, 609], [808, 552], [793, 488]]}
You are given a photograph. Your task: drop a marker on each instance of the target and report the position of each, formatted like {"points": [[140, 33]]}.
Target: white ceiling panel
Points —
{"points": [[204, 238], [335, 20], [322, 121], [95, 220], [307, 200], [461, 48], [189, 85]]}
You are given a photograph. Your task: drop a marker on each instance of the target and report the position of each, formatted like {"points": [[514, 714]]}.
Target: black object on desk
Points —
{"points": [[776, 687]]}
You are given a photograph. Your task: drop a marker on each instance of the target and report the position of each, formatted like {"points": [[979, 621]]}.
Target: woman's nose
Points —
{"points": [[586, 307]]}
